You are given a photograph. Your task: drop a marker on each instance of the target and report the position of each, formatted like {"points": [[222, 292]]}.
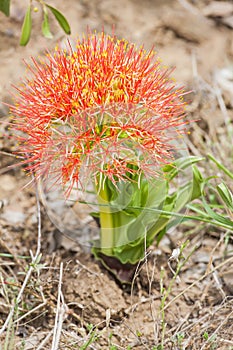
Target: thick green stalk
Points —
{"points": [[106, 221]]}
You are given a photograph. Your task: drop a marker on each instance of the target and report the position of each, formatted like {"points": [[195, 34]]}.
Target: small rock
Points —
{"points": [[228, 280], [187, 25], [228, 21], [218, 9], [13, 217], [7, 183], [224, 79]]}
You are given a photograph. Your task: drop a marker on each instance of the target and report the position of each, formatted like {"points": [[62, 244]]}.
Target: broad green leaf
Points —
{"points": [[183, 196], [197, 184], [45, 26], [226, 195], [144, 225], [26, 28], [159, 227], [61, 19], [5, 7]]}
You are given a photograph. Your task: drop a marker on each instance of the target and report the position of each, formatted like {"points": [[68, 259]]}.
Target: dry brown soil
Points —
{"points": [[196, 37]]}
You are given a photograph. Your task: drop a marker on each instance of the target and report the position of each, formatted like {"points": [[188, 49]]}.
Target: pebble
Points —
{"points": [[13, 217]]}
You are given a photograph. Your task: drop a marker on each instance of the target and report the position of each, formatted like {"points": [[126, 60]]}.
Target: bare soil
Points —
{"points": [[95, 310]]}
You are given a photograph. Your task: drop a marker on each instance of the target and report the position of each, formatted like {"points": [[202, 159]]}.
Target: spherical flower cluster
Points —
{"points": [[104, 109]]}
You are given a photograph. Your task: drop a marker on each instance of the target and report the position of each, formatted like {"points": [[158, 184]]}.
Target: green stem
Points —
{"points": [[106, 221]]}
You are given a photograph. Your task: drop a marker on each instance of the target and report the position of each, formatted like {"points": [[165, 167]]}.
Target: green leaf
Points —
{"points": [[196, 207], [140, 213], [198, 182], [61, 19], [219, 218], [226, 195], [173, 169], [45, 26], [26, 28], [221, 166], [5, 7]]}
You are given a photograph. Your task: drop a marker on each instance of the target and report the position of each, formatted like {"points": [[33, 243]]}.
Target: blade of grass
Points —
{"points": [[221, 166]]}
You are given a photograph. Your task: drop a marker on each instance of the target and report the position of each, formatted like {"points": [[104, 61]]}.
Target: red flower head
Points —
{"points": [[101, 110]]}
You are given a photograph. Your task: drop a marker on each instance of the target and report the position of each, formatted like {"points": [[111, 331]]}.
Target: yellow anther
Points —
{"points": [[104, 54], [115, 84]]}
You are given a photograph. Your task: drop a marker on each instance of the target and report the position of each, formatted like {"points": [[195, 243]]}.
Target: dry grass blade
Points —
{"points": [[30, 270], [228, 261], [60, 313]]}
